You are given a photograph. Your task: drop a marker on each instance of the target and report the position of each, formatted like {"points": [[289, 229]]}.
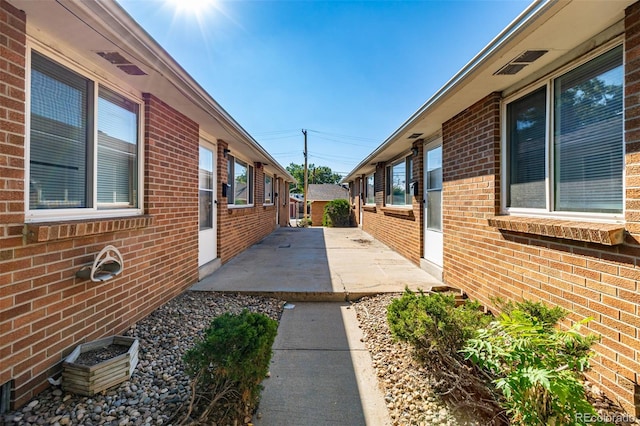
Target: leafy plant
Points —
{"points": [[535, 365], [337, 213], [231, 361]]}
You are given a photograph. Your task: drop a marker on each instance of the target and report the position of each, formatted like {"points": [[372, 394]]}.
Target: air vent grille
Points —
{"points": [[510, 69], [415, 136], [530, 56], [519, 62], [121, 62]]}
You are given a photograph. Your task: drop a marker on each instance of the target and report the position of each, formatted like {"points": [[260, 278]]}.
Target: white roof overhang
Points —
{"points": [[80, 29], [566, 29]]}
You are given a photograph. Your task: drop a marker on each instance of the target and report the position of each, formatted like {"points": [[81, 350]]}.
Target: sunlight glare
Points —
{"points": [[190, 7]]}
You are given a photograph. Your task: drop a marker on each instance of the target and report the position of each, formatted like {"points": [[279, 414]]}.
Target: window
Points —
{"points": [[69, 127], [434, 189], [369, 189], [241, 181], [205, 172], [564, 141], [268, 189], [398, 180]]}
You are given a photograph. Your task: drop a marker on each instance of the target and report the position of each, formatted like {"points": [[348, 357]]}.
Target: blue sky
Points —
{"points": [[349, 72]]}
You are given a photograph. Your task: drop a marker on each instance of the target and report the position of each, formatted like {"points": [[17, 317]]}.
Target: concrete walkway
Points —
{"points": [[317, 264], [321, 372]]}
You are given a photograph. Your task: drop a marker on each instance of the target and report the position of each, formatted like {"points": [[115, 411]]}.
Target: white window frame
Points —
{"points": [[96, 211], [250, 182], [389, 187], [266, 201], [548, 212], [366, 189]]}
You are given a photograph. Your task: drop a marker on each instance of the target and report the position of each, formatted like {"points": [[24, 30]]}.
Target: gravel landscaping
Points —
{"points": [[407, 387], [159, 389]]}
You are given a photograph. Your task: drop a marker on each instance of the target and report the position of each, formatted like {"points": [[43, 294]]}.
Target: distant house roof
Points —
{"points": [[326, 192]]}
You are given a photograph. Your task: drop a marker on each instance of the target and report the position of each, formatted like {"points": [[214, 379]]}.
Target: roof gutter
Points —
{"points": [[522, 21], [181, 80]]}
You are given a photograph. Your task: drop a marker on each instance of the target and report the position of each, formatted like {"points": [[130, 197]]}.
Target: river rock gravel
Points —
{"points": [[406, 384], [159, 387]]}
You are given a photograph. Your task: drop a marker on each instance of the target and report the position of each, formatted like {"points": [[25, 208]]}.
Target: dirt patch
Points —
{"points": [[362, 241], [96, 356]]}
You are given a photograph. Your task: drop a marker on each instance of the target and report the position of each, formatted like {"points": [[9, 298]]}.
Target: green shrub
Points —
{"points": [[304, 223], [438, 330], [534, 364], [337, 213], [232, 359], [433, 322]]}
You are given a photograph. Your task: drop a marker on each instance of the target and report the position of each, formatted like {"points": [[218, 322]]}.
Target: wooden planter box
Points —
{"points": [[91, 379]]}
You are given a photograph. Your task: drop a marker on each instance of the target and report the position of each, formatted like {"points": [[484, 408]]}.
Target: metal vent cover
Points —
{"points": [[121, 62], [519, 62], [510, 69]]}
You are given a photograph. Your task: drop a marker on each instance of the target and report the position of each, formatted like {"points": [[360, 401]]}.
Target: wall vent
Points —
{"points": [[5, 397], [121, 62], [519, 62]]}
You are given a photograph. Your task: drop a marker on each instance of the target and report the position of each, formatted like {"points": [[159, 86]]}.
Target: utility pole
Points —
{"points": [[306, 175]]}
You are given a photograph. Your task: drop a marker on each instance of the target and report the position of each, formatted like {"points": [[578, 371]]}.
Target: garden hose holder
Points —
{"points": [[107, 264]]}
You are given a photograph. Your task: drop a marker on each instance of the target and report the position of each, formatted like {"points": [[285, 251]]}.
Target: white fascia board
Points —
{"points": [[521, 22], [114, 16]]}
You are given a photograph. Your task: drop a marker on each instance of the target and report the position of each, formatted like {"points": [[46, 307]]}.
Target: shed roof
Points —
{"points": [[326, 192]]}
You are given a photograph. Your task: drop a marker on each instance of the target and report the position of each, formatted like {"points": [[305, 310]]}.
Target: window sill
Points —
{"points": [[239, 206], [52, 231], [406, 212], [608, 234], [367, 208]]}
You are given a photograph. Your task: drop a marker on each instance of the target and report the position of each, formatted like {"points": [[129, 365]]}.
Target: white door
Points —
{"points": [[276, 199], [207, 245], [433, 251], [362, 197]]}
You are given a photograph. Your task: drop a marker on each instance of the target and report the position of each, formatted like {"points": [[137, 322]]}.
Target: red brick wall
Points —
{"points": [[400, 230], [317, 211], [590, 280], [240, 228], [12, 97], [45, 310]]}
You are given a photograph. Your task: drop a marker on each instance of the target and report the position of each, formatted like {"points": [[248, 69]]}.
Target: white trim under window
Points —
{"points": [[399, 175], [240, 189], [268, 189], [370, 189], [563, 144], [84, 144]]}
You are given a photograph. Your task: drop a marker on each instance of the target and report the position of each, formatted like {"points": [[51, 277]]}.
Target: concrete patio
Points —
{"points": [[318, 264]]}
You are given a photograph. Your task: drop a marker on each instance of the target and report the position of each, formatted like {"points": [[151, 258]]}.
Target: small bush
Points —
{"points": [[304, 223], [433, 322], [230, 362], [438, 330], [535, 365], [337, 213]]}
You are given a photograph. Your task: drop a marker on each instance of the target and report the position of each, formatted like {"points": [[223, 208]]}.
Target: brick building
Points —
{"points": [[106, 140], [520, 178], [319, 195]]}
